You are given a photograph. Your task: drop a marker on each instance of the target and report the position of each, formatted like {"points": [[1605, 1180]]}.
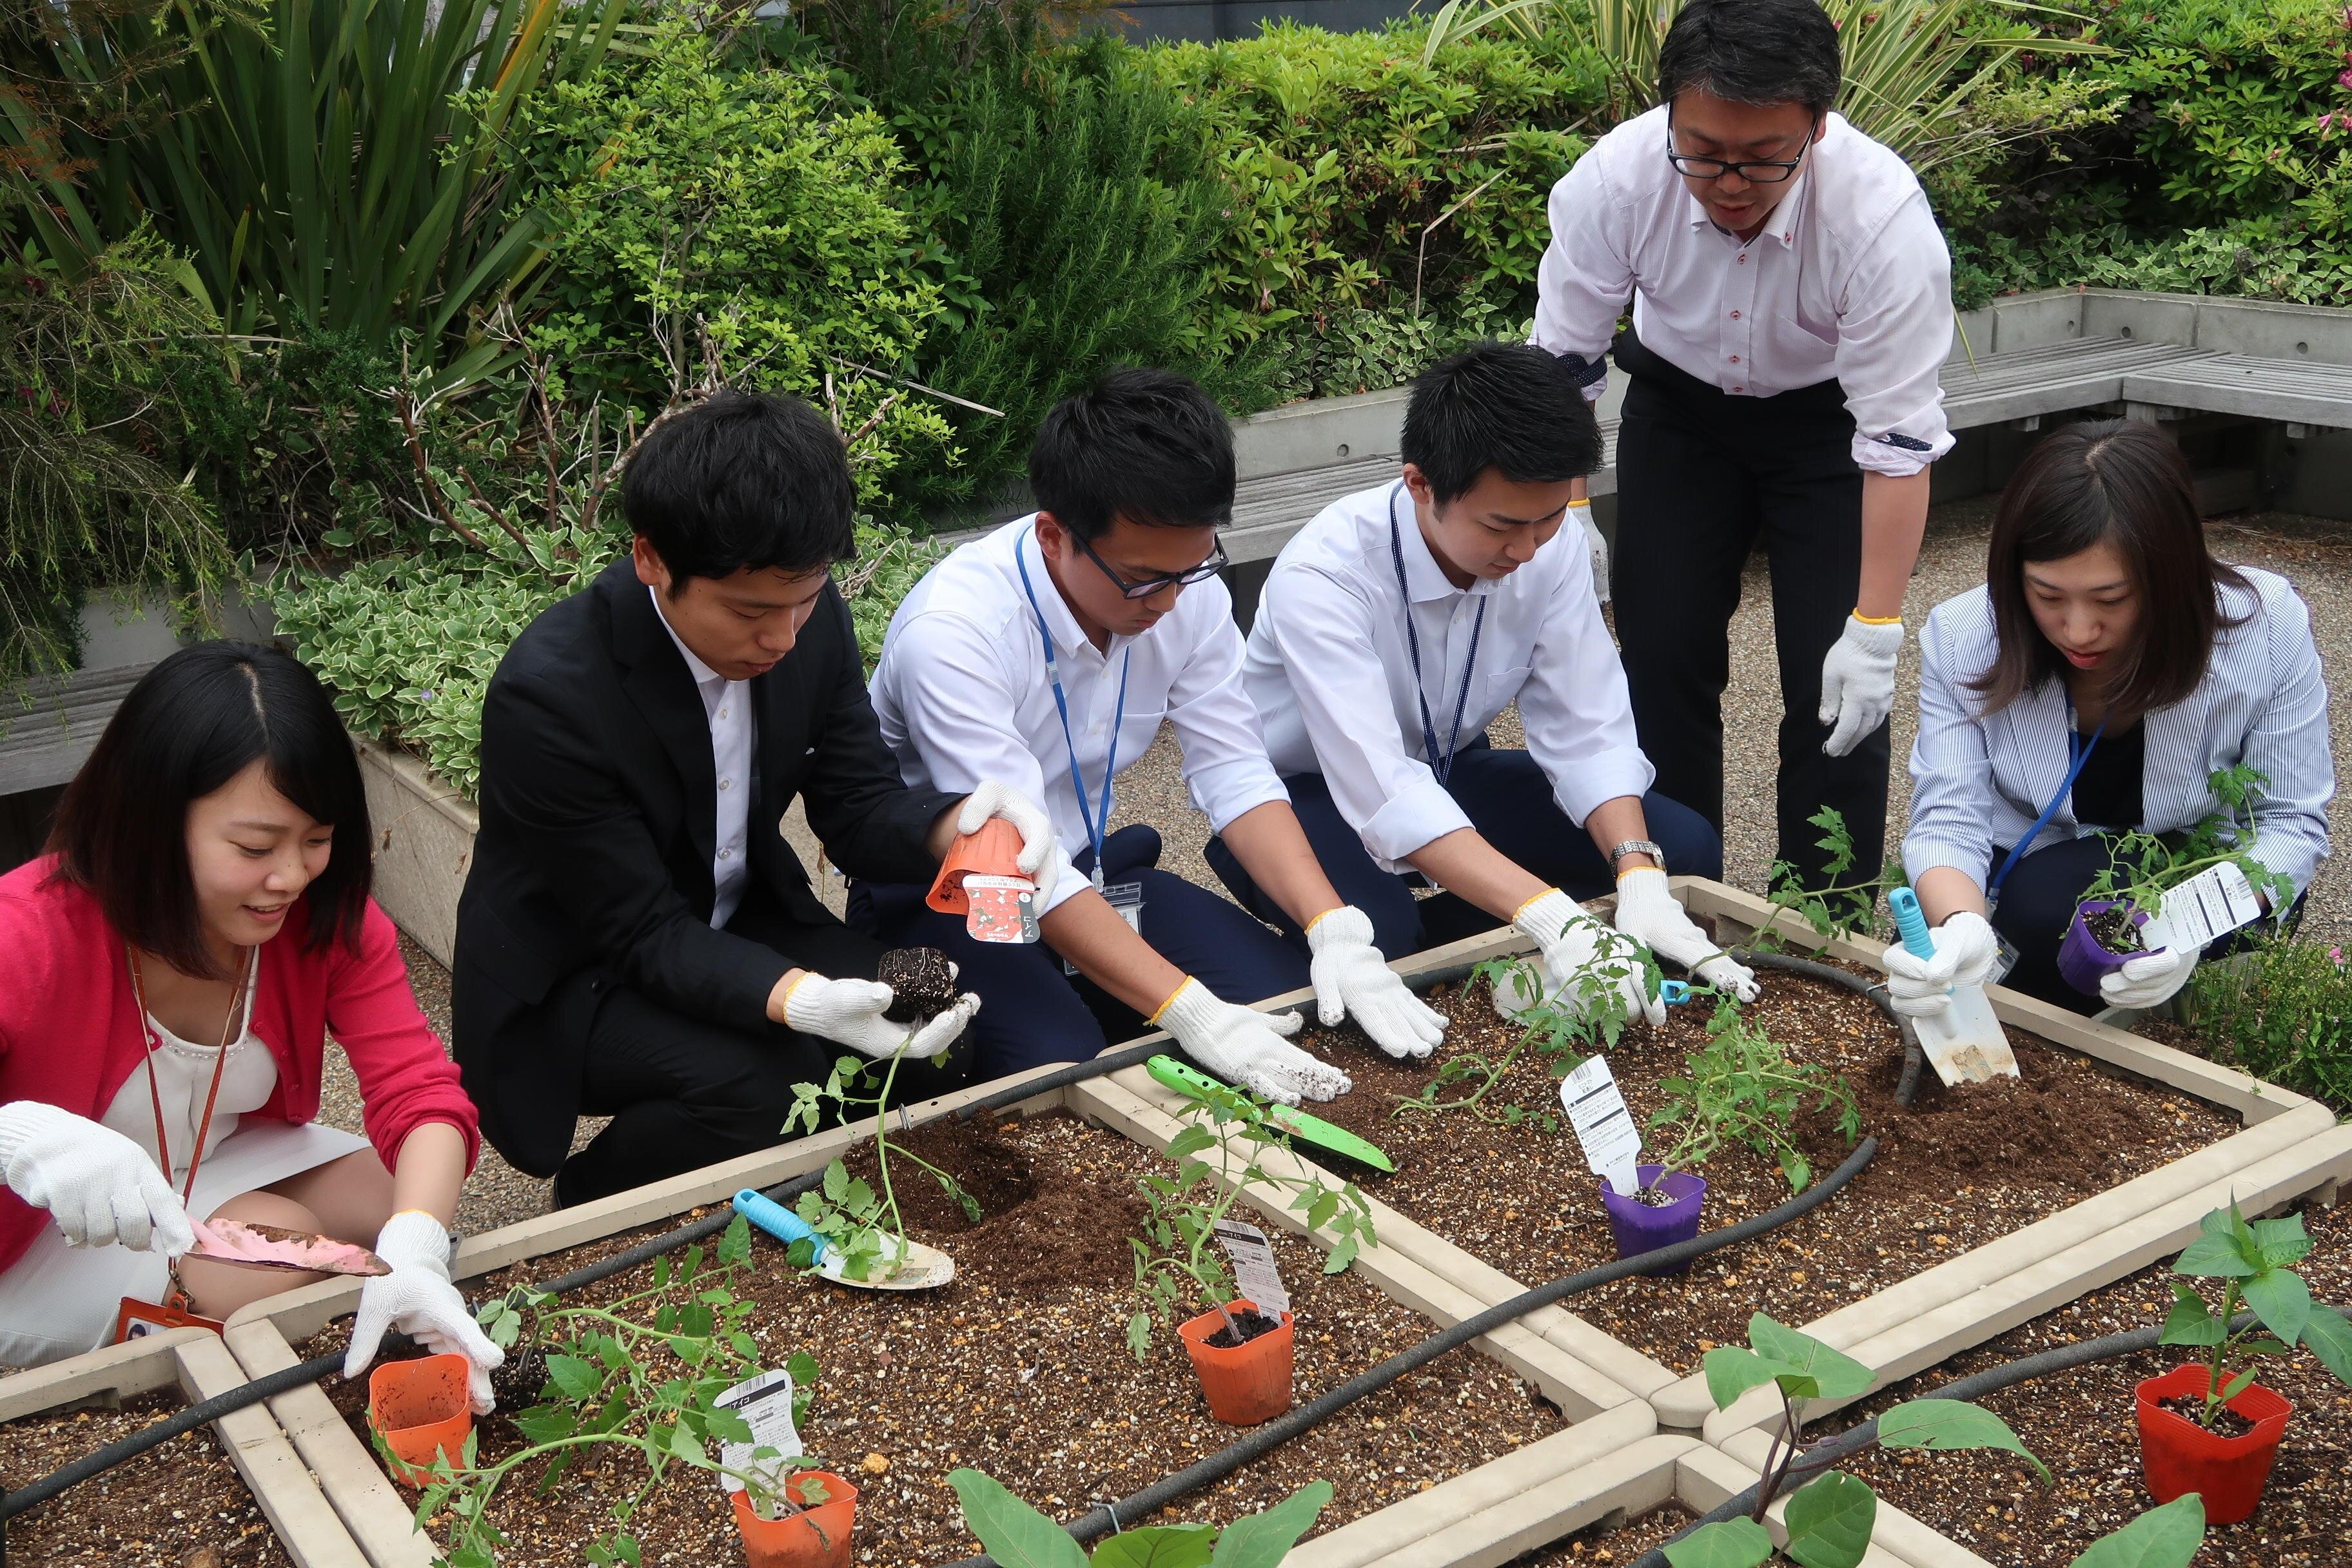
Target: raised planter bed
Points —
{"points": [[233, 1495]]}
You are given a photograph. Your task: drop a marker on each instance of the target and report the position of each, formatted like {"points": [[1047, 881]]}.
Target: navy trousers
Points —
{"points": [[1509, 801], [1031, 1013]]}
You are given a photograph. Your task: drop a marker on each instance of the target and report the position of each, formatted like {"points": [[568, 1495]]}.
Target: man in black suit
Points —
{"points": [[636, 939]]}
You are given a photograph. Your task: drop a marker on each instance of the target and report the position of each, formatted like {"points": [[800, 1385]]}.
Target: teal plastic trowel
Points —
{"points": [[1193, 1082]]}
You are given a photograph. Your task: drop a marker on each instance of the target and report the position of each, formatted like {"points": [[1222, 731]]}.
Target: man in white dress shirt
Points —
{"points": [[1046, 654], [1792, 310], [1400, 623]]}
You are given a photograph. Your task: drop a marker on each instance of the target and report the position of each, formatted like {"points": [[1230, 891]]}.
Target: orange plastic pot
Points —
{"points": [[1249, 1382], [421, 1408], [2177, 1456], [817, 1537], [993, 851]]}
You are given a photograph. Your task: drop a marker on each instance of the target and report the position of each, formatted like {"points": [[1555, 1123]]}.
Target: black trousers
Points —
{"points": [[1701, 476], [684, 1092]]}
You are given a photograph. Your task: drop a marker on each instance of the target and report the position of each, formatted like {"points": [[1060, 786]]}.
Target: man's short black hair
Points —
{"points": [[1146, 445], [1753, 51], [1508, 406], [742, 479]]}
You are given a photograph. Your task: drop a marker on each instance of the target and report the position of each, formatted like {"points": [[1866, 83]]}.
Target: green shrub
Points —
{"points": [[716, 214], [2282, 1011]]}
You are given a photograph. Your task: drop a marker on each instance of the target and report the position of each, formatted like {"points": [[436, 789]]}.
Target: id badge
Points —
{"points": [[1127, 899], [2004, 958], [135, 1319]]}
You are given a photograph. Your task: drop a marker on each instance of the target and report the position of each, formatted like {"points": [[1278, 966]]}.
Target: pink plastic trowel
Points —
{"points": [[274, 1247]]}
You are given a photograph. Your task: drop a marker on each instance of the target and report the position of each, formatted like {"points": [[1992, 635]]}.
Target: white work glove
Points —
{"points": [[417, 1299], [2148, 981], [1858, 682], [1580, 511], [1246, 1048], [1351, 981], [849, 1013], [1582, 960], [1965, 949], [99, 1186], [1648, 914], [1041, 857]]}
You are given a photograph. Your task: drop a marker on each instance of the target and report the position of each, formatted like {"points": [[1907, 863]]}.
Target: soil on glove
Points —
{"points": [[2080, 1423], [1021, 1369], [1958, 1168], [182, 1505]]}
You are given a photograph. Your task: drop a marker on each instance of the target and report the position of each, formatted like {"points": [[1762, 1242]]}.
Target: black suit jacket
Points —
{"points": [[599, 817]]}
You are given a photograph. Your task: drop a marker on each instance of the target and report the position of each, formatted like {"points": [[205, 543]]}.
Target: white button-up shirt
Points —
{"points": [[962, 693], [1849, 279], [1332, 676], [726, 705]]}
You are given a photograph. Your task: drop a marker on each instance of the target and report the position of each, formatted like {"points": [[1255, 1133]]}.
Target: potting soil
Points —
{"points": [[1021, 1369], [1598, 1545], [1958, 1168], [165, 1509], [2080, 1423]]}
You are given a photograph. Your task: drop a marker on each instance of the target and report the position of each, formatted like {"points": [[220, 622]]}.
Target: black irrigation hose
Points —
{"points": [[1261, 1440]]}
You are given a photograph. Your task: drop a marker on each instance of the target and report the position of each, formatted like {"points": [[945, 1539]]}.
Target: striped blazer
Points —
{"points": [[1979, 781]]}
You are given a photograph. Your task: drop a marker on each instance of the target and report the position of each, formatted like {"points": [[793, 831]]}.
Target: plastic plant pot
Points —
{"points": [[817, 1537], [1641, 1228], [2177, 1456], [2083, 958], [993, 851], [421, 1408], [1248, 1383]]}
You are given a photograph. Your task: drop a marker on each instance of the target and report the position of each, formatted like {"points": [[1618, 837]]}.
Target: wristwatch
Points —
{"points": [[1637, 846]]}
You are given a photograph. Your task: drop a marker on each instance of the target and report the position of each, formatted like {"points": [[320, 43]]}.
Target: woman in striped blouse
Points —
{"points": [[2107, 669]]}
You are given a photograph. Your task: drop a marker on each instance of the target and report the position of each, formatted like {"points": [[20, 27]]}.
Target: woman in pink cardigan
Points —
{"points": [[172, 967]]}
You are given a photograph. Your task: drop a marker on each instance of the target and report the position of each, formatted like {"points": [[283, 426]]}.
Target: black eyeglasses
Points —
{"points": [[1144, 590], [1755, 173]]}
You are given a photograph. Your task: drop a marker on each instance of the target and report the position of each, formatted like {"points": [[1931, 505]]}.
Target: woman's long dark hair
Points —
{"points": [[2115, 482], [190, 725]]}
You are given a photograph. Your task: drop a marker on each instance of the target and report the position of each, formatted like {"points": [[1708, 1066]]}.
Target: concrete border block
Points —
{"points": [[138, 1366], [298, 1512], [2036, 320]]}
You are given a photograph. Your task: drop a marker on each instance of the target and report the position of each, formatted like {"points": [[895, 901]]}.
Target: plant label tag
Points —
{"points": [[1001, 909], [2210, 904], [765, 1403], [1596, 1109], [1254, 1270]]}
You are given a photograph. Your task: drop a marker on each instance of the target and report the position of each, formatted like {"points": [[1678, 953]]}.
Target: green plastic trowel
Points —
{"points": [[1193, 1082]]}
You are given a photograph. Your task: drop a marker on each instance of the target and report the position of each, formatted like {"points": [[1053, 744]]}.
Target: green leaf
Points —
{"points": [[2281, 1300], [2282, 1241], [836, 1180], [1159, 1546], [803, 1368], [1830, 1522], [1822, 1372], [1733, 1543], [2191, 1321], [578, 1378], [1139, 1335], [2327, 1336], [1951, 1423], [1190, 1141], [2165, 1537], [1732, 1371], [1264, 1540], [735, 1246], [1010, 1531], [546, 1423], [2215, 1257]]}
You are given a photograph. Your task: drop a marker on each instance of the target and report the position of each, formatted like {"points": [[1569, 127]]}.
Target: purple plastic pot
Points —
{"points": [[1641, 1228], [2083, 958]]}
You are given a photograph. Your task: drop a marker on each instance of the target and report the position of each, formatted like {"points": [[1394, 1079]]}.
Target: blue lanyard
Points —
{"points": [[1440, 763], [1096, 825], [2078, 757]]}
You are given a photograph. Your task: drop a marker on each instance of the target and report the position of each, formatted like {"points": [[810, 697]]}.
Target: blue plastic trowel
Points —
{"points": [[904, 1264], [1964, 1043]]}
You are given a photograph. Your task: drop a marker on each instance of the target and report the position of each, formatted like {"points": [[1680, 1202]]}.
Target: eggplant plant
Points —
{"points": [[1013, 1533], [1221, 1153], [1742, 1087], [862, 1225], [2251, 1261]]}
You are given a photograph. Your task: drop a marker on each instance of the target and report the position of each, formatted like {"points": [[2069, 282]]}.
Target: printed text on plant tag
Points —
{"points": [[1254, 1270], [1612, 1144], [766, 1403]]}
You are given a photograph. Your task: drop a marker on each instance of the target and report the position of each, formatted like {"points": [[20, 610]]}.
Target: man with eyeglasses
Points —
{"points": [[1792, 310], [1046, 654]]}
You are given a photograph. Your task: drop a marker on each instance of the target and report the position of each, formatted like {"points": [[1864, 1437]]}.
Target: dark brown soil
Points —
{"points": [[2227, 1423], [158, 1510], [1250, 1324], [921, 985], [1958, 1168], [1021, 1368], [2080, 1423], [2114, 928], [1606, 1542]]}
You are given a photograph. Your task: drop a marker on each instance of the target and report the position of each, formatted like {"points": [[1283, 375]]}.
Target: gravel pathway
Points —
{"points": [[2315, 554]]}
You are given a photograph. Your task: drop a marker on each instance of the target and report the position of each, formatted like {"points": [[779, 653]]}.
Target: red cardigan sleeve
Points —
{"points": [[406, 1079]]}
